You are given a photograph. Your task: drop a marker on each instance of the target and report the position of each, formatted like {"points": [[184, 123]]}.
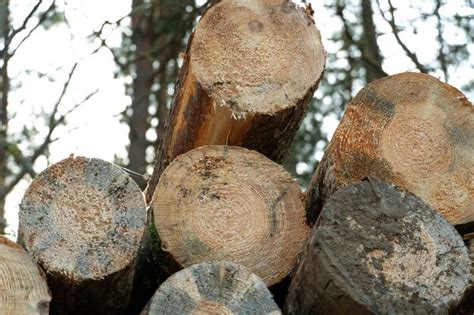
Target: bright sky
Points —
{"points": [[94, 130]]}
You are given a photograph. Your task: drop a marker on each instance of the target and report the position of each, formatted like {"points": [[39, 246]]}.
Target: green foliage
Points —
{"points": [[155, 238]]}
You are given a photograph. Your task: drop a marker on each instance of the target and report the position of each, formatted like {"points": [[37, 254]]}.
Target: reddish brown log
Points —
{"points": [[409, 129]]}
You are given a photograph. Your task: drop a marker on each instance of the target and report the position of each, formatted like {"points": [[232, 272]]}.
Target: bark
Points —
{"points": [[409, 129], [4, 90], [249, 73], [23, 285], [377, 249], [467, 304], [83, 221], [230, 203], [213, 288]]}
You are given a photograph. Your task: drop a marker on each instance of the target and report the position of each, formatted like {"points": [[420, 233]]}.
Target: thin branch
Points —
{"points": [[21, 28], [63, 117], [60, 99], [393, 25], [71, 110], [53, 123], [41, 19], [135, 10]]}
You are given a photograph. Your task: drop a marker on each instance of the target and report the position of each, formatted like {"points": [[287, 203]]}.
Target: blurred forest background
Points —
{"points": [[54, 53]]}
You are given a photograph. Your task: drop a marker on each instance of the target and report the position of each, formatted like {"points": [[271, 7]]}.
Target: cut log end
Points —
{"points": [[257, 56], [83, 220], [229, 203], [213, 288], [410, 129], [377, 249], [23, 287], [248, 77]]}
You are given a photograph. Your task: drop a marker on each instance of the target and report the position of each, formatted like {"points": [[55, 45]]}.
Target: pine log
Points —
{"points": [[230, 203], [377, 249], [82, 220], [23, 287], [409, 129], [212, 288], [249, 73]]}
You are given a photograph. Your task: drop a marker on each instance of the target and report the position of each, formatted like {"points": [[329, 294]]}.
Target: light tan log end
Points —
{"points": [[257, 56], [230, 203], [23, 287]]}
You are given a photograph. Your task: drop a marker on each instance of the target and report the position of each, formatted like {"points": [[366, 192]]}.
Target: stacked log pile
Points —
{"points": [[382, 229]]}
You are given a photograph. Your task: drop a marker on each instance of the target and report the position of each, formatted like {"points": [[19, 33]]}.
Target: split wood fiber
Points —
{"points": [[23, 287], [377, 249], [212, 288], [82, 220], [248, 76], [230, 203], [409, 129]]}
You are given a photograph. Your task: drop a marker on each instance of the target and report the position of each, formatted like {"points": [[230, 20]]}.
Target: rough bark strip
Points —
{"points": [[248, 76], [230, 203], [409, 129], [83, 220], [213, 288], [467, 304], [23, 287], [377, 249]]}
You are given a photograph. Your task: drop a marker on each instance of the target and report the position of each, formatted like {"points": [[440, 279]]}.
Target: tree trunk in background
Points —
{"points": [[368, 46], [158, 35], [375, 250], [250, 90], [142, 38], [4, 90], [409, 129]]}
